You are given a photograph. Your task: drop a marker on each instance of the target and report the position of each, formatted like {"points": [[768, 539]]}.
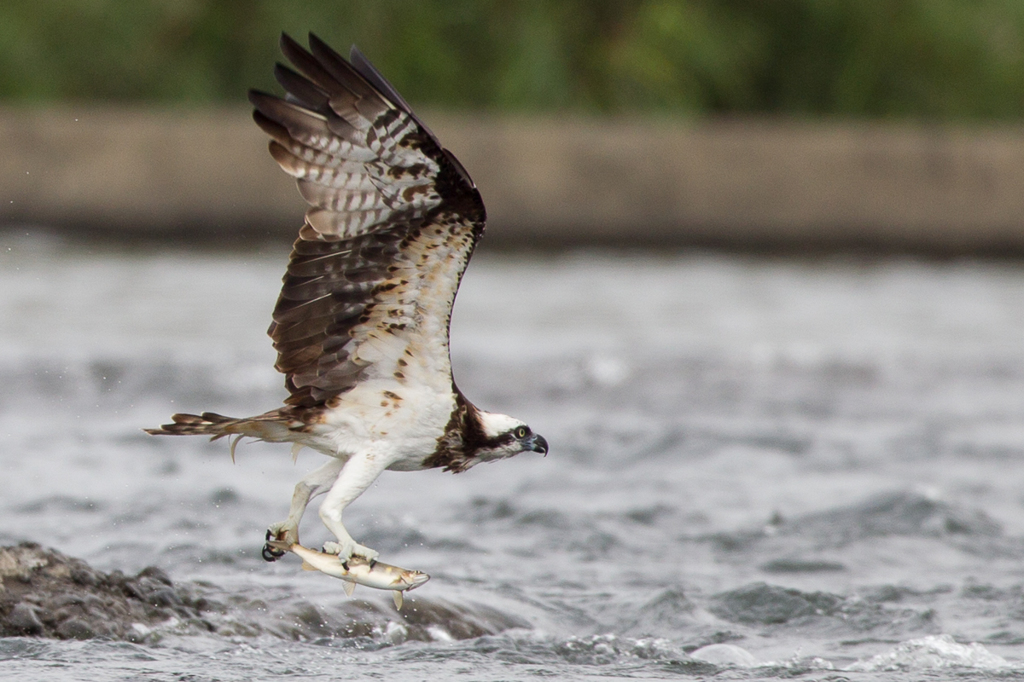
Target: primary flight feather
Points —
{"points": [[361, 325]]}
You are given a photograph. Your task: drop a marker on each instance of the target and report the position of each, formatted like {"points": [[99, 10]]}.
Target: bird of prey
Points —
{"points": [[361, 324]]}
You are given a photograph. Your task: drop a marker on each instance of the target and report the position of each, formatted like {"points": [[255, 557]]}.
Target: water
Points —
{"points": [[758, 469]]}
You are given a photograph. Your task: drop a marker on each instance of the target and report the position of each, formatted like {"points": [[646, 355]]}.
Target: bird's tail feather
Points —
{"points": [[205, 424], [272, 426], [269, 426]]}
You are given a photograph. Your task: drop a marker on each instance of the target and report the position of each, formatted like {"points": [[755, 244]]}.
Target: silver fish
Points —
{"points": [[356, 570]]}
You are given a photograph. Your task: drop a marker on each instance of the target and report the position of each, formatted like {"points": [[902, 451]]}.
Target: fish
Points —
{"points": [[356, 571]]}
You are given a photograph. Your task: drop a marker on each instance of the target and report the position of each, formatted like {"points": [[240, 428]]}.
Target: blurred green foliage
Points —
{"points": [[925, 59]]}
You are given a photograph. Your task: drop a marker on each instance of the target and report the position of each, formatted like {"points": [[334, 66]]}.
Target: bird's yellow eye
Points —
{"points": [[522, 432]]}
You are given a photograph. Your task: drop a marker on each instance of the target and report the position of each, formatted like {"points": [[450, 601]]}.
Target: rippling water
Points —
{"points": [[758, 469]]}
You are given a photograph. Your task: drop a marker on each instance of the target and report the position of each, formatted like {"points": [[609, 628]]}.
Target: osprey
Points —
{"points": [[361, 325]]}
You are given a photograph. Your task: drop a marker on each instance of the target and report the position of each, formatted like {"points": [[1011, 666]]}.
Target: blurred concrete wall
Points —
{"points": [[747, 184]]}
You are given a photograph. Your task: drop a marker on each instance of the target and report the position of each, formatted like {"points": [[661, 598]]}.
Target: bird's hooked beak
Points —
{"points": [[538, 444]]}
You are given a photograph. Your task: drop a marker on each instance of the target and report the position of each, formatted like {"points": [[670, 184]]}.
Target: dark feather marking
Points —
{"points": [[305, 63], [463, 438], [340, 69], [305, 92]]}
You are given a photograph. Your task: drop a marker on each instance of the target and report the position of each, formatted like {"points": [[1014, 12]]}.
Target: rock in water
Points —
{"points": [[46, 593]]}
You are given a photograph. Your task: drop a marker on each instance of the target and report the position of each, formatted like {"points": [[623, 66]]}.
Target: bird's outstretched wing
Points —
{"points": [[393, 220]]}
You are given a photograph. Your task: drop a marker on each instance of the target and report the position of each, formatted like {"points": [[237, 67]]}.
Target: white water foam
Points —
{"points": [[931, 653]]}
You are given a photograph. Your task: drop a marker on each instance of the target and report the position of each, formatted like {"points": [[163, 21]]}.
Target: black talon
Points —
{"points": [[271, 554]]}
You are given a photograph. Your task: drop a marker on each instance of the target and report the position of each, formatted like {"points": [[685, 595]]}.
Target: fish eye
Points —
{"points": [[522, 432]]}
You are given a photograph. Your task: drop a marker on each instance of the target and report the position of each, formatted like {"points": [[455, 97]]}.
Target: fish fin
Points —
{"points": [[306, 566], [234, 443], [296, 447], [397, 596], [350, 587]]}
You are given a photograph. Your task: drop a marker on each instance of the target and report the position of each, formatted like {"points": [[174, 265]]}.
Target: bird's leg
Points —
{"points": [[315, 483], [357, 475]]}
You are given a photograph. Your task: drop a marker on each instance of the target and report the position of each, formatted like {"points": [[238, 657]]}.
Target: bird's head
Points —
{"points": [[505, 436]]}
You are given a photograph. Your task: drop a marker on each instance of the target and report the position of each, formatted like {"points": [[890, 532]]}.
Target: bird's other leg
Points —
{"points": [[357, 475], [315, 483]]}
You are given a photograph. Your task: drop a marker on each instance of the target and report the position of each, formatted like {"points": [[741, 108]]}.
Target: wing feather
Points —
{"points": [[301, 89], [392, 222]]}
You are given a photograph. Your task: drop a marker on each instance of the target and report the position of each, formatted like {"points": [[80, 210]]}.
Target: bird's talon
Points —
{"points": [[346, 551], [271, 554], [279, 532]]}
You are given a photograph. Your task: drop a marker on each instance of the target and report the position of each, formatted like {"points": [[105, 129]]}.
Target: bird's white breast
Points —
{"points": [[400, 421]]}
